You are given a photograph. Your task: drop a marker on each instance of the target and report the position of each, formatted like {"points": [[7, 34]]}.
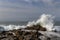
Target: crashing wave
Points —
{"points": [[45, 20]]}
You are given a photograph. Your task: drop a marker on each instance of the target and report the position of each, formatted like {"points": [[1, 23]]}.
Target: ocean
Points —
{"points": [[14, 23], [45, 20]]}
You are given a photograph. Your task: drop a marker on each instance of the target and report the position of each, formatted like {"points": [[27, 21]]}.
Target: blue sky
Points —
{"points": [[23, 10]]}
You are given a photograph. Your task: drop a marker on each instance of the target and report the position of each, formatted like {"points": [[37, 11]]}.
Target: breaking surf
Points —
{"points": [[45, 20]]}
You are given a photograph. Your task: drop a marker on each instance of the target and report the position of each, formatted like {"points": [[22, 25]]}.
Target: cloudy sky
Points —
{"points": [[23, 10]]}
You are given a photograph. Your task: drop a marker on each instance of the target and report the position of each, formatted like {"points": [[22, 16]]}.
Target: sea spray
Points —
{"points": [[10, 27], [45, 21], [31, 23]]}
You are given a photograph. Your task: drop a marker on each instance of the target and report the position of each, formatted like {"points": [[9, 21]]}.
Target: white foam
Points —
{"points": [[10, 27], [57, 28], [31, 23], [44, 20]]}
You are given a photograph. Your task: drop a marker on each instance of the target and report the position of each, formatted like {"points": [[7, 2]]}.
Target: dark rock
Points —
{"points": [[36, 27], [24, 35]]}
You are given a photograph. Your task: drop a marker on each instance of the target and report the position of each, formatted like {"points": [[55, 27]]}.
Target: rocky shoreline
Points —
{"points": [[21, 34]]}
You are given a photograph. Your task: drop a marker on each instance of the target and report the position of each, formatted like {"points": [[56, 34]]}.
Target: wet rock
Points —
{"points": [[36, 27], [25, 35]]}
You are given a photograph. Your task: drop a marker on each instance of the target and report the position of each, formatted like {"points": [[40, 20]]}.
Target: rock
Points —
{"points": [[25, 35], [36, 27]]}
